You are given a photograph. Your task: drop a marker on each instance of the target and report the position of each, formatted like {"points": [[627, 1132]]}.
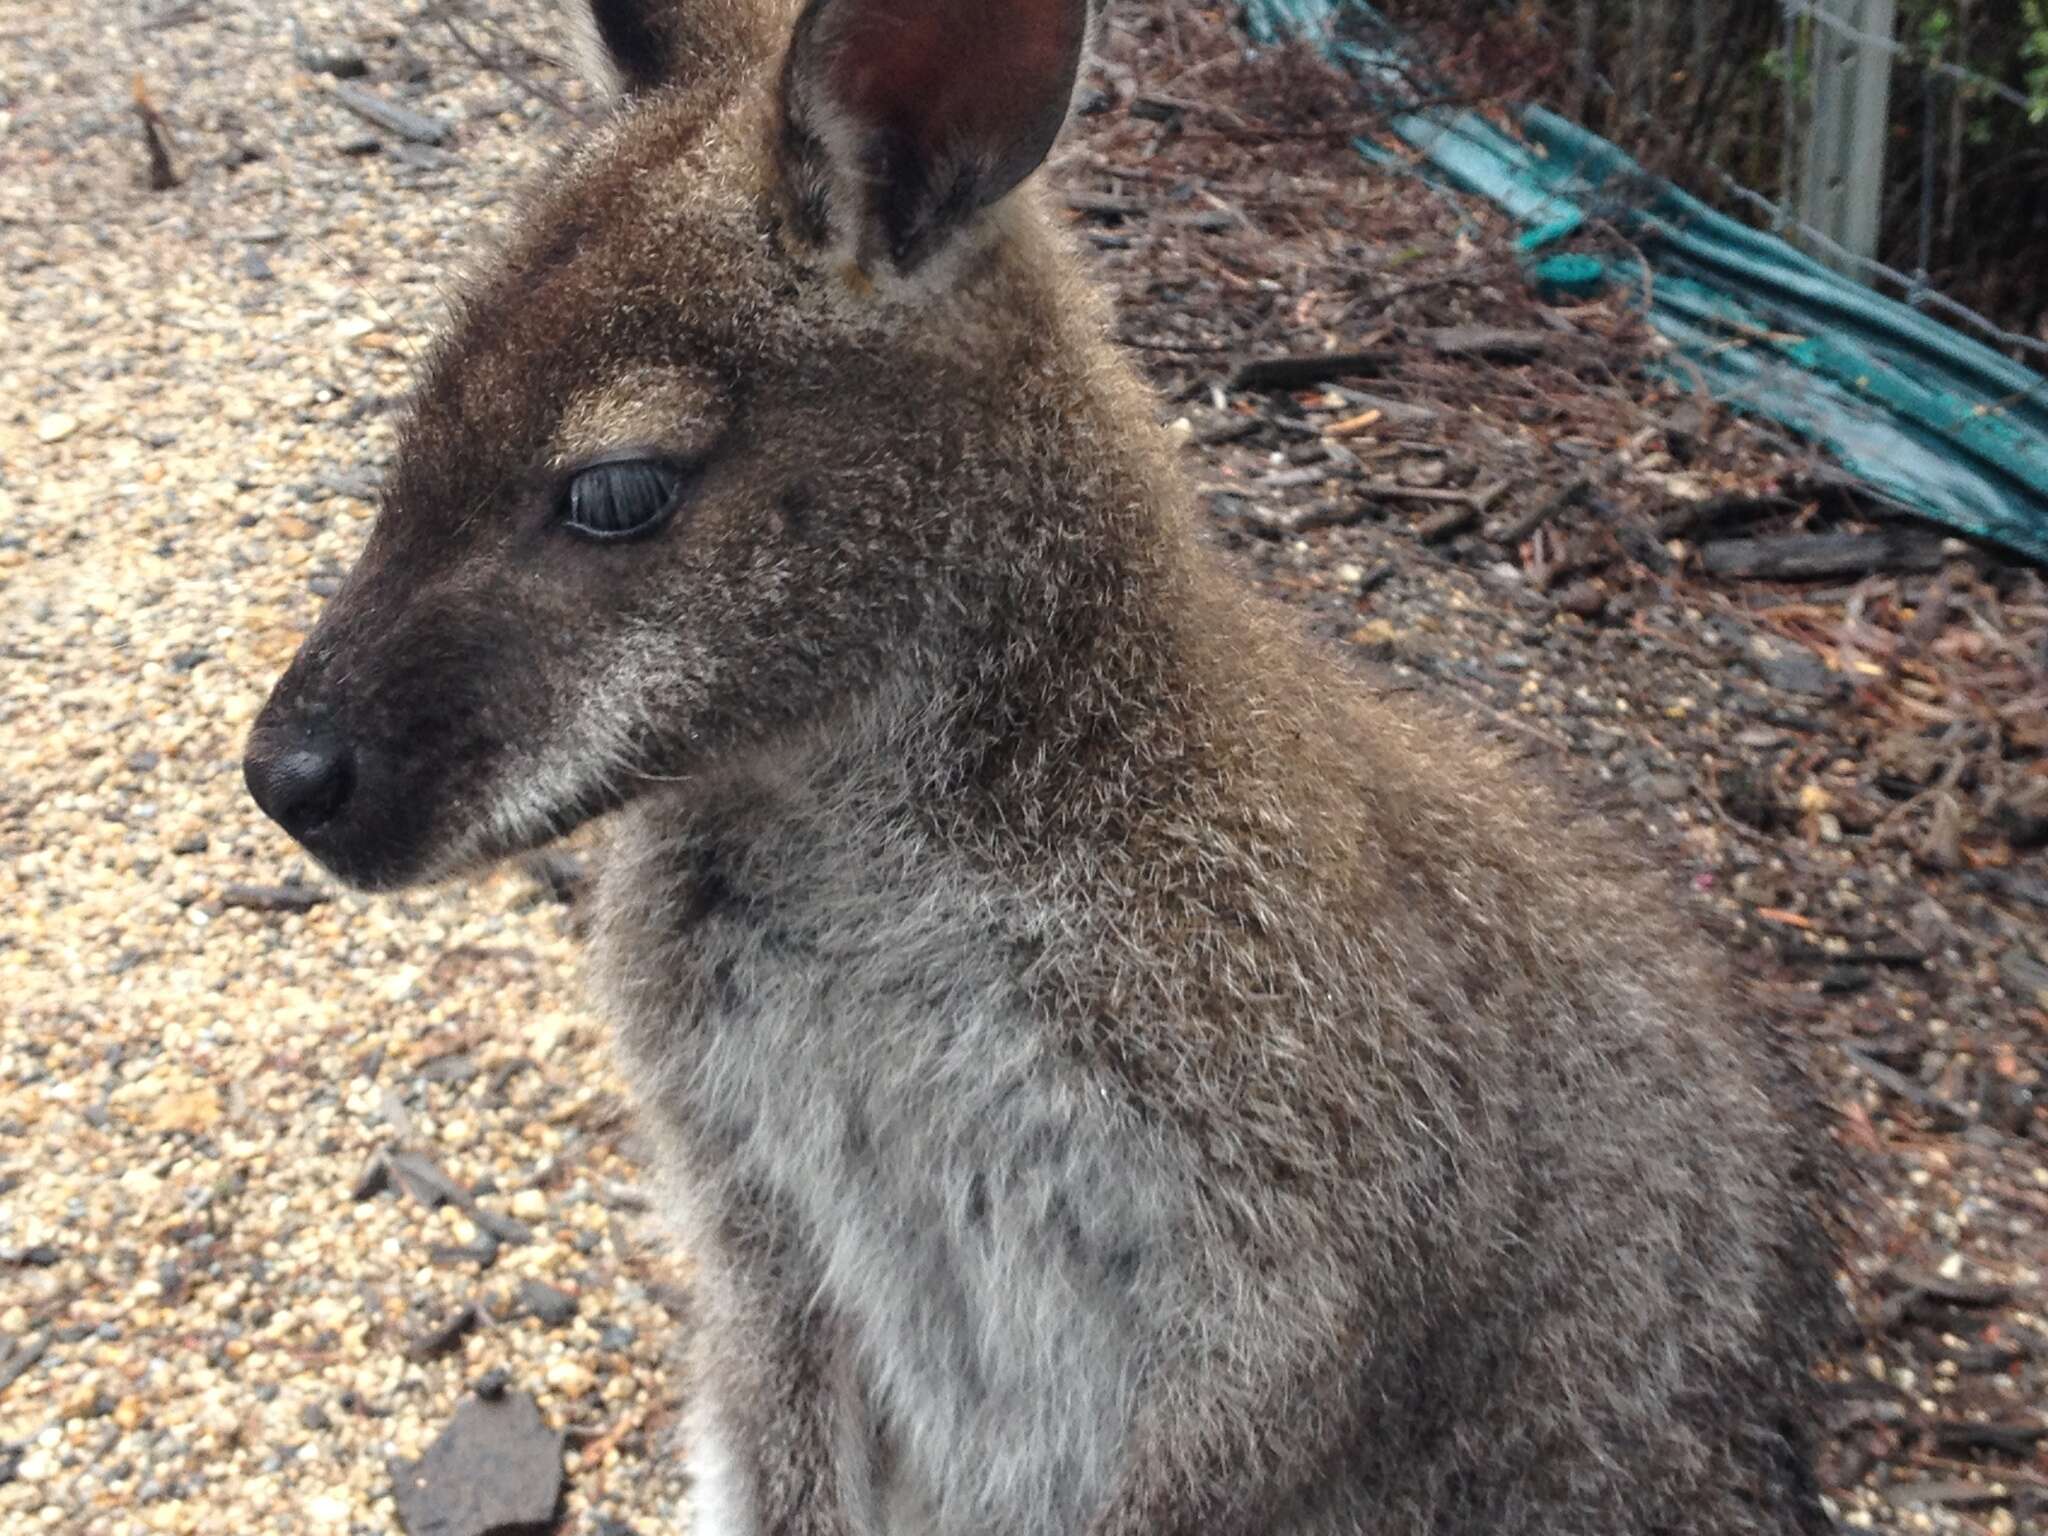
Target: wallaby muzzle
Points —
{"points": [[338, 798], [371, 748]]}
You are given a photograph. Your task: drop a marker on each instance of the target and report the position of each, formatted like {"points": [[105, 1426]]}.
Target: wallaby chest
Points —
{"points": [[859, 1041]]}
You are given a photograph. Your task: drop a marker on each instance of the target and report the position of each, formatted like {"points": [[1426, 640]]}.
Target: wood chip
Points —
{"points": [[1352, 425], [414, 127], [1299, 370], [274, 898], [1448, 523], [1818, 556]]}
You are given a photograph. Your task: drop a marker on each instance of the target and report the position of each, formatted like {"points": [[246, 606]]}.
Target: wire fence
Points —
{"points": [[1904, 142]]}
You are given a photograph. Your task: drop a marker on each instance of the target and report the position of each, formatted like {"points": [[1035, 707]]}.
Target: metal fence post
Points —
{"points": [[1841, 181]]}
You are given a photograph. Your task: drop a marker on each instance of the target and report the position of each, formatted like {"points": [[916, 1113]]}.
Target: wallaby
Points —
{"points": [[1118, 1072]]}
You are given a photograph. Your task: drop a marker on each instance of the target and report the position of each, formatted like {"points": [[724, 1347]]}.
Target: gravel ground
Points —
{"points": [[202, 1055], [286, 1172]]}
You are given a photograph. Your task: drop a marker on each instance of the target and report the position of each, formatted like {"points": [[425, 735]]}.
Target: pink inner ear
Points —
{"points": [[959, 76]]}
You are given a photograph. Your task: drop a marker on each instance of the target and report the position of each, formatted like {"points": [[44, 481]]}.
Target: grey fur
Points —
{"points": [[1118, 1074]]}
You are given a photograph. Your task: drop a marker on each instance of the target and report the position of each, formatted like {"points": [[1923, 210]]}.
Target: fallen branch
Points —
{"points": [[1462, 509], [1396, 413], [1300, 370], [1448, 523], [1230, 432], [155, 140], [1965, 1435], [1956, 1292], [1512, 530], [1817, 556], [1478, 498], [413, 127], [1905, 1087], [1898, 955], [1949, 1493], [2030, 889], [1105, 205], [1695, 517], [1490, 343], [274, 898], [1485, 343]]}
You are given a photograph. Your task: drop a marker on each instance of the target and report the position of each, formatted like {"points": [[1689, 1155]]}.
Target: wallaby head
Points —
{"points": [[775, 371]]}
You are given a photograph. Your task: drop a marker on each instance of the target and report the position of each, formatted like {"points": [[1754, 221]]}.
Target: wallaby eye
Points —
{"points": [[621, 498]]}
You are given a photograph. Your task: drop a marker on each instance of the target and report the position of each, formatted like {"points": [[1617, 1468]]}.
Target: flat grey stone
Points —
{"points": [[496, 1470]]}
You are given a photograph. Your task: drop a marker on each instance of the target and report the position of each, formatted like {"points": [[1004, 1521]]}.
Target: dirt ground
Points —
{"points": [[286, 1173]]}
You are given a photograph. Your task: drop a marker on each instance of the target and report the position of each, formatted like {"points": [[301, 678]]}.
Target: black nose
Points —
{"points": [[303, 782]]}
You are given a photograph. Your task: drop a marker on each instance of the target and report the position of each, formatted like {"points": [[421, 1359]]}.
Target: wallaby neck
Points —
{"points": [[1078, 689]]}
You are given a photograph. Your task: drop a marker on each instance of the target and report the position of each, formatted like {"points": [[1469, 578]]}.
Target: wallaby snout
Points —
{"points": [[356, 808], [388, 749]]}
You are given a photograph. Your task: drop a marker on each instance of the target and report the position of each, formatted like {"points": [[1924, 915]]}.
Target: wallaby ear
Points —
{"points": [[625, 46], [902, 119], [630, 47]]}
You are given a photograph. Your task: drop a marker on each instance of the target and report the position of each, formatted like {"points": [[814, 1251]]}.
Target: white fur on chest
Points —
{"points": [[987, 1221]]}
